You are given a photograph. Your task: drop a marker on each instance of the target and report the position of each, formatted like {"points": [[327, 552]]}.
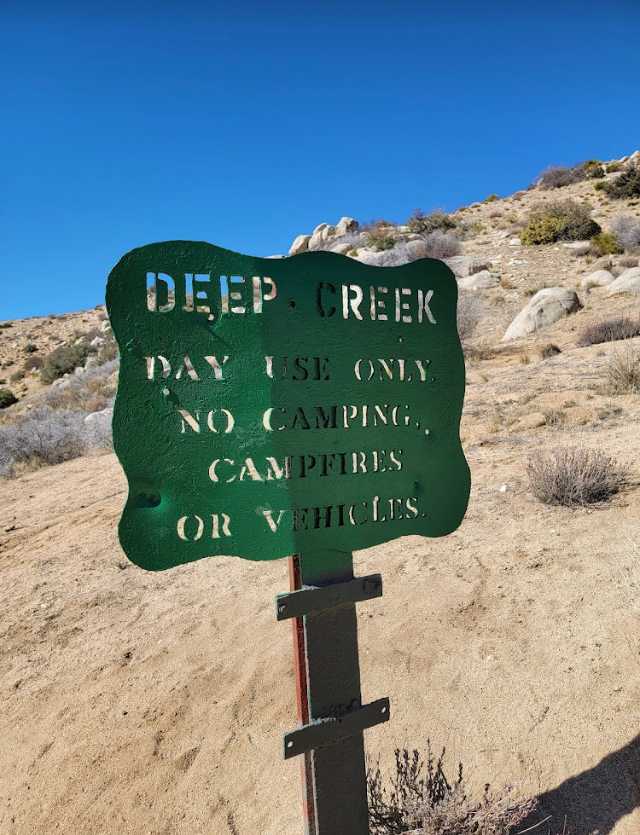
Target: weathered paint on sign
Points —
{"points": [[274, 406]]}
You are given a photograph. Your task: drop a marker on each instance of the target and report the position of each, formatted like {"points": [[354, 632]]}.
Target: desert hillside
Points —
{"points": [[155, 703]]}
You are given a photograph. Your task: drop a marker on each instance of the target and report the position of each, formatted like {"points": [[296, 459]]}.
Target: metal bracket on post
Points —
{"points": [[322, 604]]}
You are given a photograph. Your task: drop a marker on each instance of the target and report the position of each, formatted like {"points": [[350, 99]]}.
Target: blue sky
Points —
{"points": [[245, 124]]}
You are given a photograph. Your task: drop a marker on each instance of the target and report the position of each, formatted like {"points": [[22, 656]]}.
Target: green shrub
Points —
{"points": [[17, 376], [421, 224], [379, 238], [63, 360], [7, 398], [561, 220], [30, 348], [593, 169], [625, 185], [491, 198], [612, 167], [600, 186], [605, 243]]}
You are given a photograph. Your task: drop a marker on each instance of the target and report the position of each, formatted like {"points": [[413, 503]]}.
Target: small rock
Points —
{"points": [[515, 242], [578, 247]]}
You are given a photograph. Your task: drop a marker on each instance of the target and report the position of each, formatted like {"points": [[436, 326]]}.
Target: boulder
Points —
{"points": [[578, 247], [99, 417], [628, 282], [483, 280], [465, 265], [346, 224], [320, 234], [545, 308], [599, 278], [300, 244]]}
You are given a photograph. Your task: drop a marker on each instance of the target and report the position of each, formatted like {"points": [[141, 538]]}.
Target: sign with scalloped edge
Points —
{"points": [[270, 406]]}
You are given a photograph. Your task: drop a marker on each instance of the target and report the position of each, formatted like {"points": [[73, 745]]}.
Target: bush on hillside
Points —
{"points": [[33, 363], [7, 398], [626, 185], [626, 228], [592, 169], [421, 798], [558, 176], [614, 166], [46, 436], [379, 236], [30, 348], [63, 360], [442, 244], [610, 330], [92, 391], [574, 476], [605, 243], [423, 224], [560, 220]]}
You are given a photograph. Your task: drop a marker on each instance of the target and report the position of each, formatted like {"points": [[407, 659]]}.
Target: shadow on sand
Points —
{"points": [[595, 800]]}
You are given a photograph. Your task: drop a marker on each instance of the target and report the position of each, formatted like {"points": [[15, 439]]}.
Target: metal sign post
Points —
{"points": [[308, 405], [328, 687]]}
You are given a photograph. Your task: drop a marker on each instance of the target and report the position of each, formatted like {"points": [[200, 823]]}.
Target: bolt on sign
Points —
{"points": [[304, 406], [268, 407]]}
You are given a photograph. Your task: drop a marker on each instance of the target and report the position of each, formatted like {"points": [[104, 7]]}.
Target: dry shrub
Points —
{"points": [[46, 436], [625, 185], [423, 224], [549, 350], [92, 391], [574, 476], [380, 236], [605, 243], [622, 372], [421, 799], [442, 245], [7, 398], [558, 176], [609, 330]]}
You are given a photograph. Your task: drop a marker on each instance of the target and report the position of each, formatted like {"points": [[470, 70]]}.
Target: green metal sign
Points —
{"points": [[268, 407]]}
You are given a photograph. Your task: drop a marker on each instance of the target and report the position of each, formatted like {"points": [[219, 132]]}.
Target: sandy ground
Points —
{"points": [[155, 703]]}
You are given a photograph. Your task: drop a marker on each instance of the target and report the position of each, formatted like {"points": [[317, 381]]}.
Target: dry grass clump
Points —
{"points": [[574, 476], [421, 799], [609, 330], [622, 372]]}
